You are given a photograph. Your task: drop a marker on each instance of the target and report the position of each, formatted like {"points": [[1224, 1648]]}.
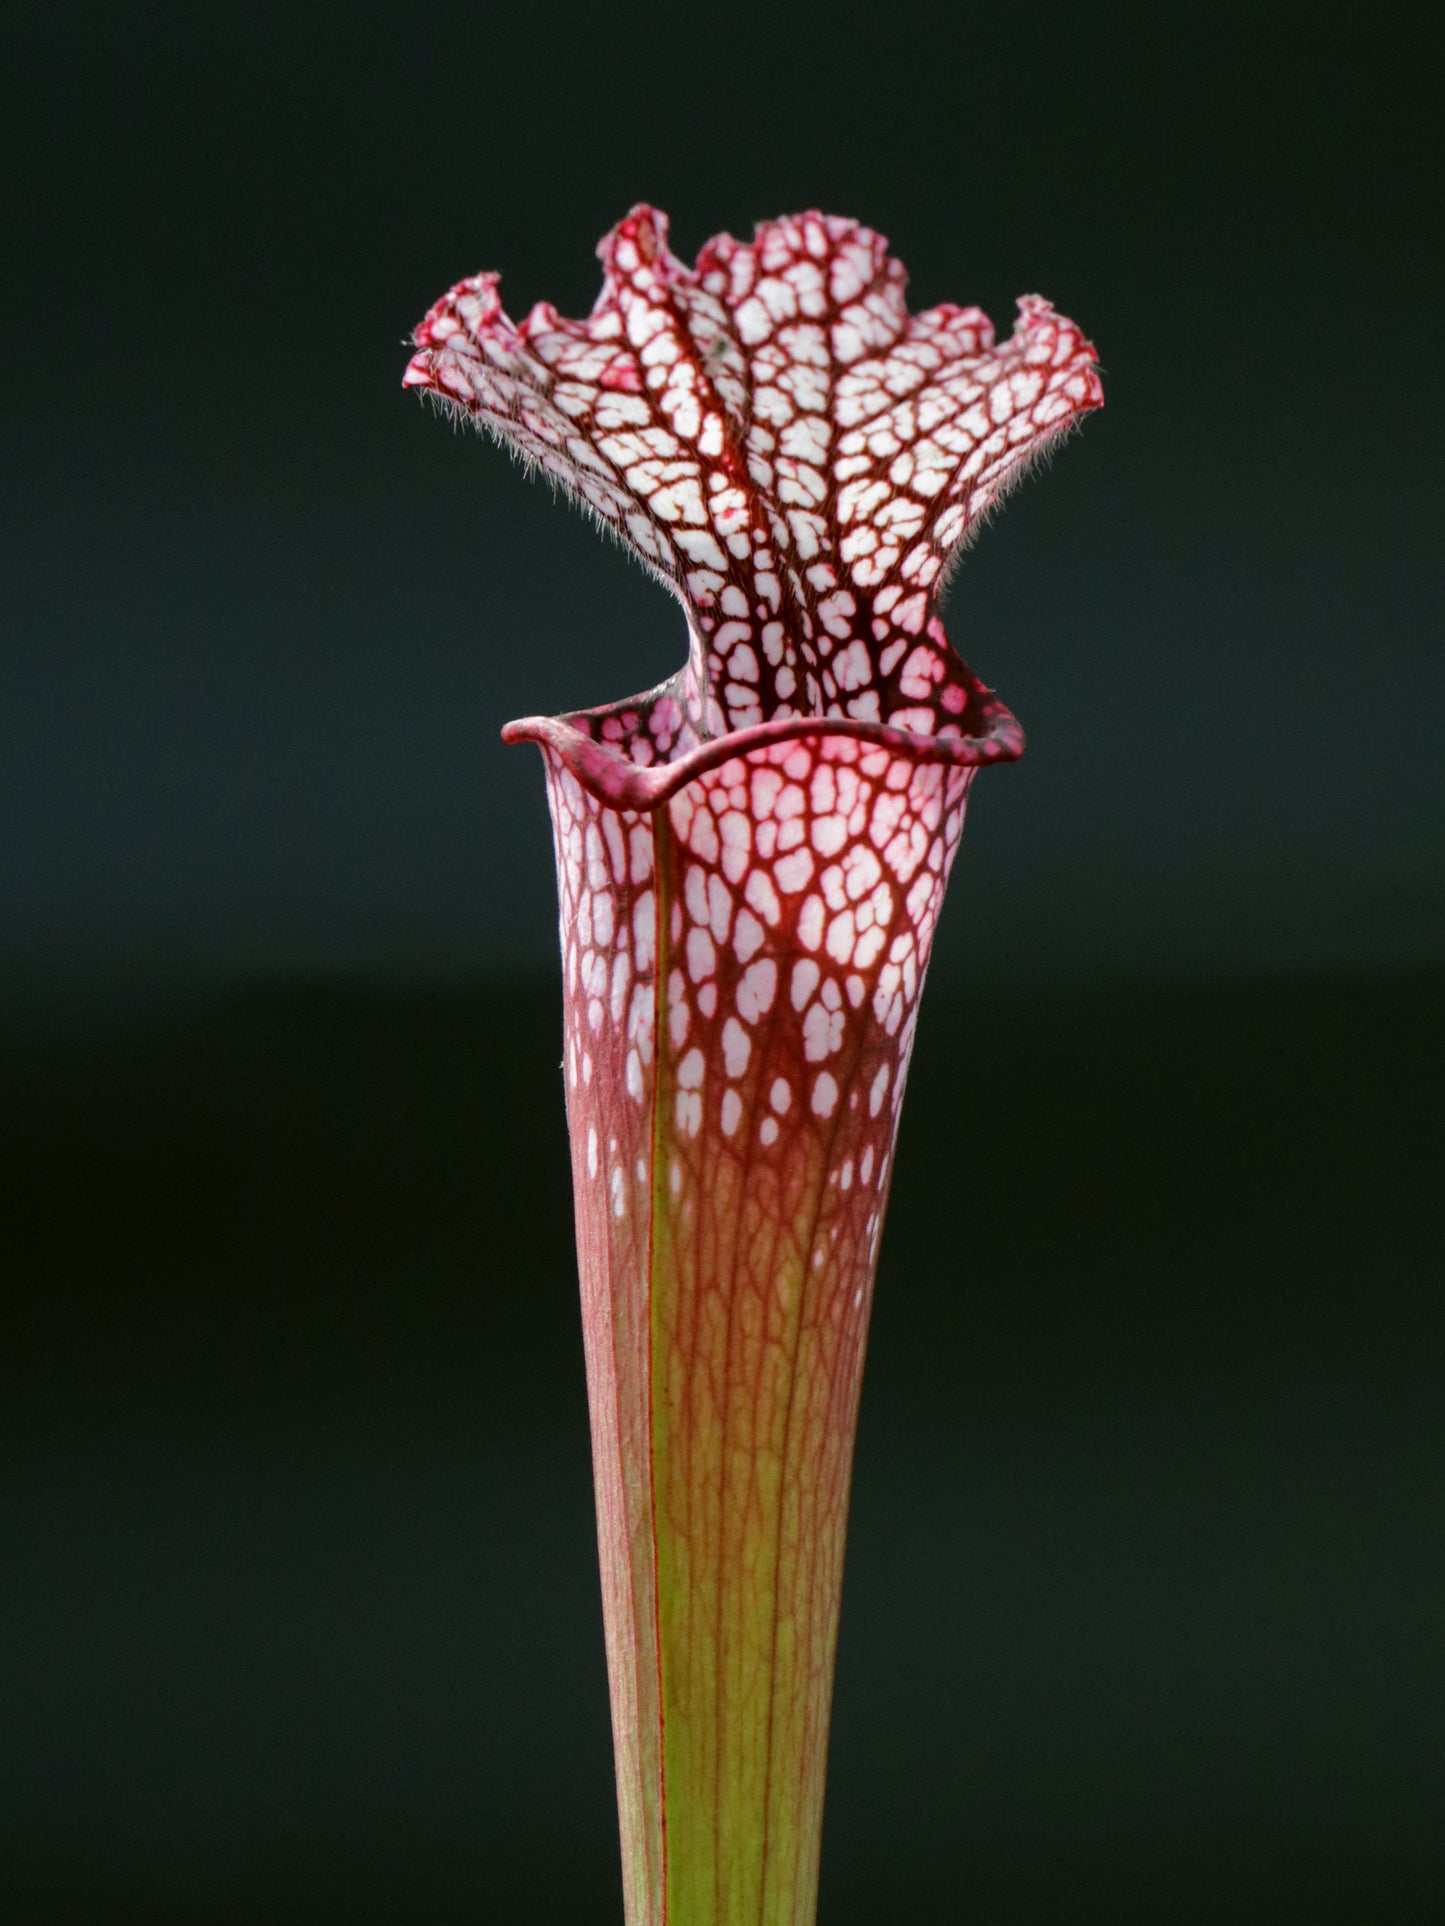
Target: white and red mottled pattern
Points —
{"points": [[775, 436], [751, 861]]}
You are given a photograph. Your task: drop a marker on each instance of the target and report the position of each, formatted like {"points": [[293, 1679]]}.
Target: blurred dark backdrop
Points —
{"points": [[299, 1614]]}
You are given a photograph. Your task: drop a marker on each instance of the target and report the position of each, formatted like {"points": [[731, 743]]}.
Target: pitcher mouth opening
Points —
{"points": [[602, 768]]}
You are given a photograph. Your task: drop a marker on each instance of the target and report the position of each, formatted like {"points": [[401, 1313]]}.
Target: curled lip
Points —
{"points": [[613, 779]]}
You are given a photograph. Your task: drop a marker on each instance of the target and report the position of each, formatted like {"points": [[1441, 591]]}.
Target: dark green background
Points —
{"points": [[299, 1619]]}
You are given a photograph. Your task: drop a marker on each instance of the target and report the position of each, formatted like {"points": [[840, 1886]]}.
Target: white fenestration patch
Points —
{"points": [[793, 873], [701, 956], [737, 844], [810, 923], [736, 1046], [805, 980], [757, 987], [822, 1033], [825, 1094], [763, 897], [878, 1090], [748, 936], [679, 1010]]}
